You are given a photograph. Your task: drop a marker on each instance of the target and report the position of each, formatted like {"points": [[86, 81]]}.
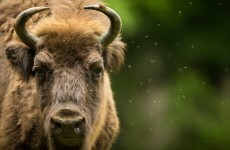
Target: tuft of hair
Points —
{"points": [[114, 55]]}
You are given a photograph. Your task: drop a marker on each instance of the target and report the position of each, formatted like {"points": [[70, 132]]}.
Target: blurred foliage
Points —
{"points": [[174, 91]]}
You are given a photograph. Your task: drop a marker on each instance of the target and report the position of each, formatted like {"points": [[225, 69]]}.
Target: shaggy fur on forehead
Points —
{"points": [[69, 33], [70, 39]]}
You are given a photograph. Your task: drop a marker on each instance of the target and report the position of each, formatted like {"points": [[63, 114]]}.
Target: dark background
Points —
{"points": [[173, 93]]}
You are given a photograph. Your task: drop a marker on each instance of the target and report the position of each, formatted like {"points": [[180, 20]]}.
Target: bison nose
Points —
{"points": [[67, 126]]}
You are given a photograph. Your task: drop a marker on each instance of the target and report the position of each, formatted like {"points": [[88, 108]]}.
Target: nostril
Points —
{"points": [[76, 128], [56, 127], [79, 125]]}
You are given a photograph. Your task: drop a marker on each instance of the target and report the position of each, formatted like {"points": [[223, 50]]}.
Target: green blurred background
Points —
{"points": [[173, 93]]}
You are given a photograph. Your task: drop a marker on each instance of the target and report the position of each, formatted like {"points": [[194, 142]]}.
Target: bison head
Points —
{"points": [[69, 59]]}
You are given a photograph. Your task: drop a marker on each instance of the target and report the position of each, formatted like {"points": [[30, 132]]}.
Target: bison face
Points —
{"points": [[71, 89]]}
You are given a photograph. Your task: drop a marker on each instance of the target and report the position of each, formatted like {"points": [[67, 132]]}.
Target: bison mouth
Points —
{"points": [[68, 141]]}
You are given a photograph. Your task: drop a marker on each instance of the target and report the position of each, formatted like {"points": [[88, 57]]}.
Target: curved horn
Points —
{"points": [[115, 21], [20, 26]]}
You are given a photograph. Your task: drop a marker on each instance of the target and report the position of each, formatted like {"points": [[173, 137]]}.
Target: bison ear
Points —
{"points": [[21, 58], [114, 55]]}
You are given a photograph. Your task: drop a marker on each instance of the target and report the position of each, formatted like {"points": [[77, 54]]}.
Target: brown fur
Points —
{"points": [[68, 54]]}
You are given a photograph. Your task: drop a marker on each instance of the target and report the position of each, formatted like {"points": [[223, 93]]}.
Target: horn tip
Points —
{"points": [[96, 7], [45, 8], [91, 7]]}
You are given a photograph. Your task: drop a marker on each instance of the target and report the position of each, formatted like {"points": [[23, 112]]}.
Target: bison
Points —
{"points": [[55, 60]]}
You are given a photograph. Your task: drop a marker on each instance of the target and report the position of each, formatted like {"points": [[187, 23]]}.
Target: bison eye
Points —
{"points": [[97, 72], [39, 72]]}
